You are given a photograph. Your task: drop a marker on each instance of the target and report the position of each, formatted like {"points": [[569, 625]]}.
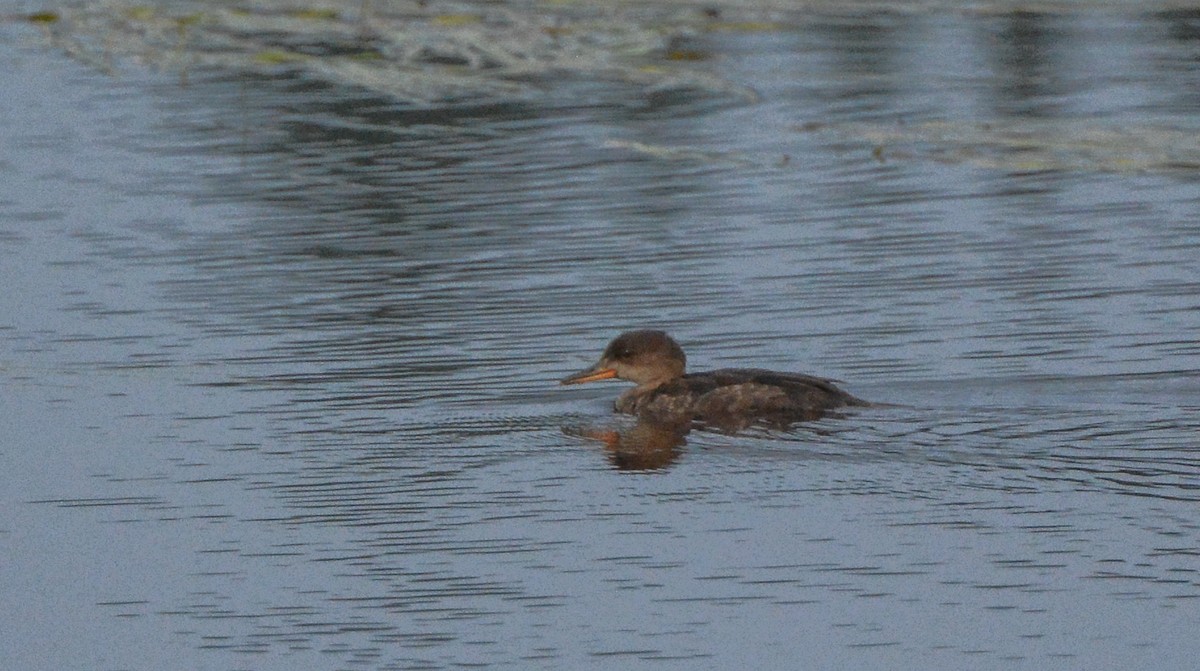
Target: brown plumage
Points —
{"points": [[727, 398]]}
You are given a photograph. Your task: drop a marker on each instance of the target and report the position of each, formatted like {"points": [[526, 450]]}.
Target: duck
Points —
{"points": [[666, 394]]}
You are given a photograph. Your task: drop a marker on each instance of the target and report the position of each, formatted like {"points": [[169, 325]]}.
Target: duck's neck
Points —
{"points": [[649, 386]]}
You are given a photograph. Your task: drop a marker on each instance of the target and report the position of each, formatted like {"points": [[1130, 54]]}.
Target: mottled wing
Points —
{"points": [[796, 385]]}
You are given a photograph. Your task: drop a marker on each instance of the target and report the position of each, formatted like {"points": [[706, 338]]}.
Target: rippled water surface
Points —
{"points": [[279, 358]]}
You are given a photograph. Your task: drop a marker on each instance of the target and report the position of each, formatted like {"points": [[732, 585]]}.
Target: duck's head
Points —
{"points": [[647, 357]]}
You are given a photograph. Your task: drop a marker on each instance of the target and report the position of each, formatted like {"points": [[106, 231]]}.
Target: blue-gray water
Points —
{"points": [[279, 359]]}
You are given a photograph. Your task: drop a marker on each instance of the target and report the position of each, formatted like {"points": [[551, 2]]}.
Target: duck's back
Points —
{"points": [[738, 397]]}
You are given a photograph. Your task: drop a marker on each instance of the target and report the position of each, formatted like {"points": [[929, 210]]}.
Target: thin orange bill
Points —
{"points": [[590, 375]]}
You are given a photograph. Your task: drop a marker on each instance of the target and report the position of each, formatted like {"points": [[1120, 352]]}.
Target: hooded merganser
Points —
{"points": [[730, 397]]}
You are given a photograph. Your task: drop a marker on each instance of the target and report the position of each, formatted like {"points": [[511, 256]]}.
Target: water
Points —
{"points": [[279, 360]]}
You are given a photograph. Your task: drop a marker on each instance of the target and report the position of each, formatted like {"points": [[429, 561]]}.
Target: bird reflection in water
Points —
{"points": [[668, 402], [645, 446]]}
